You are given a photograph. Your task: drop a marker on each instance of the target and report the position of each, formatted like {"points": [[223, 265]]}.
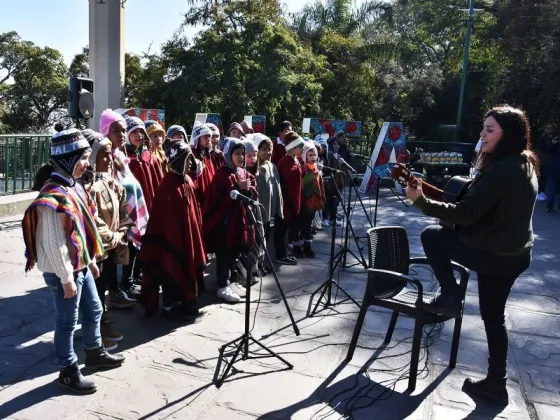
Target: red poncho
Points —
{"points": [[225, 220], [217, 159], [172, 248], [147, 170], [278, 152], [290, 182], [203, 181]]}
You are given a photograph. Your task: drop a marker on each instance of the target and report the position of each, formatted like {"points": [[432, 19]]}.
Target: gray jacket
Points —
{"points": [[270, 194]]}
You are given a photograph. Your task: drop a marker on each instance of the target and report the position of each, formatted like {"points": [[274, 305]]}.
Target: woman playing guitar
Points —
{"points": [[495, 236]]}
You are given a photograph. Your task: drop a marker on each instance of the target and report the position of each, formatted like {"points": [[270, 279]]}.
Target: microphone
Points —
{"points": [[320, 166], [342, 161], [360, 156], [236, 195]]}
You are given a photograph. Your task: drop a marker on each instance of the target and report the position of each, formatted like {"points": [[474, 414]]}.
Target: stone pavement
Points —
{"points": [[169, 368]]}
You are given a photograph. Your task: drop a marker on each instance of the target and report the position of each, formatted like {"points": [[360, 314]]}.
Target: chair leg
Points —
{"points": [[357, 330], [391, 328], [417, 339], [455, 342]]}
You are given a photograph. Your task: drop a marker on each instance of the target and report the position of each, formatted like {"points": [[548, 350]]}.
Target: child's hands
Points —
{"points": [[244, 184]]}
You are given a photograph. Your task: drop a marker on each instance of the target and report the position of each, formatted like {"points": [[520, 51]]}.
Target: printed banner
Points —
{"points": [[144, 114], [315, 126], [390, 148]]}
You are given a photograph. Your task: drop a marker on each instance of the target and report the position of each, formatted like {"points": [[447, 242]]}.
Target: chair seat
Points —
{"points": [[405, 302], [408, 297]]}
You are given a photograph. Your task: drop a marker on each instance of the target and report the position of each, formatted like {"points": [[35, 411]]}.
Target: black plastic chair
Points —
{"points": [[389, 261]]}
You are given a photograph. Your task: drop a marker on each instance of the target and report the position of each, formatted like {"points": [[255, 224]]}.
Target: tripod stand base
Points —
{"points": [[242, 345], [326, 297]]}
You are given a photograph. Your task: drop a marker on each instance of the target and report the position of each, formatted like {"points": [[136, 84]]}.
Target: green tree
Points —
{"points": [[37, 85], [79, 67], [248, 61]]}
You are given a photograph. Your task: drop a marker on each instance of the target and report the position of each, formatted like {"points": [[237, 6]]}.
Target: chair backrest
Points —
{"points": [[388, 250]]}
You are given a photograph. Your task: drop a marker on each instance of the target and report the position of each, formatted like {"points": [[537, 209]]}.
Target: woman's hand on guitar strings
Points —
{"points": [[414, 191]]}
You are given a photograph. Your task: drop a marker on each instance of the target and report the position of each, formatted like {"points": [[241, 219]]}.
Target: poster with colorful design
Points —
{"points": [[215, 119], [258, 122], [390, 148], [315, 126], [144, 114]]}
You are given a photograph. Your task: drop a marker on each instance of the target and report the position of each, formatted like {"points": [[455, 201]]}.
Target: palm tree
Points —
{"points": [[337, 15]]}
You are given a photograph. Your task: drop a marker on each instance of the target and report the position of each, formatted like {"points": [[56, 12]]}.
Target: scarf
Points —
{"points": [[83, 237]]}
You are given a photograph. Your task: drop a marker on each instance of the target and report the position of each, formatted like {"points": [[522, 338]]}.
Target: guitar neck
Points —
{"points": [[432, 192]]}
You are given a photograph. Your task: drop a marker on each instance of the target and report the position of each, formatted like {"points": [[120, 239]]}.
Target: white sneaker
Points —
{"points": [[237, 288], [326, 223], [227, 294], [541, 197]]}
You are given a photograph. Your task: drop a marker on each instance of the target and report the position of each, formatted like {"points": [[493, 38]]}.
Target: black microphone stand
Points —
{"points": [[242, 343], [334, 261], [361, 260]]}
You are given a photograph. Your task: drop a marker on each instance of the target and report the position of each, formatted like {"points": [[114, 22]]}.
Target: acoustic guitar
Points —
{"points": [[453, 191]]}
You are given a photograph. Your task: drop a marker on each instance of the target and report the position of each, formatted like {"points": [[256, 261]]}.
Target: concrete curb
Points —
{"points": [[16, 204]]}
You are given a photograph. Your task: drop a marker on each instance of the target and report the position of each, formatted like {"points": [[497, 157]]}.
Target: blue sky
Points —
{"points": [[63, 24]]}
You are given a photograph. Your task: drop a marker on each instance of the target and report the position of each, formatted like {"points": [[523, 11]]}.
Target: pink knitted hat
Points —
{"points": [[107, 118]]}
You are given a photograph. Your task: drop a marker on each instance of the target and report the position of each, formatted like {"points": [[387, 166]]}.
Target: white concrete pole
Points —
{"points": [[106, 55]]}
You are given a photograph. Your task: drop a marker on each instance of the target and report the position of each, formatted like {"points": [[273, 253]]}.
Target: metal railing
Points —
{"points": [[20, 157]]}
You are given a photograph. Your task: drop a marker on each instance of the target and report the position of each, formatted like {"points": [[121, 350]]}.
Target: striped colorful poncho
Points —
{"points": [[136, 202], [83, 237]]}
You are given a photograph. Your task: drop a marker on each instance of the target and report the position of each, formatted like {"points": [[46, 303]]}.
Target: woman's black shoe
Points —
{"points": [[71, 378], [445, 304], [488, 389]]}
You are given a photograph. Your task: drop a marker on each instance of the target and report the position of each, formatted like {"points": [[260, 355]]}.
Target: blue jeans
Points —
{"points": [[551, 189], [66, 316]]}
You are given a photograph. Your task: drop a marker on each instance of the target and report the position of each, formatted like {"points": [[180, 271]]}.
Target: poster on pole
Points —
{"points": [[390, 148], [215, 119], [257, 122]]}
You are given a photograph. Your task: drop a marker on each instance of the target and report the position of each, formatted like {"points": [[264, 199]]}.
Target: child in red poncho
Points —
{"points": [[312, 196], [173, 254], [225, 220], [201, 147], [291, 172], [143, 164]]}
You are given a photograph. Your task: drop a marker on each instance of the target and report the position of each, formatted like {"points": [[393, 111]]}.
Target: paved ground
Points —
{"points": [[169, 369]]}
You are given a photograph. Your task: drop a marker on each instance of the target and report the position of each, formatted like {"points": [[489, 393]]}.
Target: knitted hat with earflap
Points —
{"points": [[309, 145], [250, 145], [231, 144], [235, 125], [67, 148], [292, 140], [199, 130], [174, 129], [107, 118], [258, 138], [134, 123], [247, 128], [177, 155], [214, 129], [97, 141], [154, 127]]}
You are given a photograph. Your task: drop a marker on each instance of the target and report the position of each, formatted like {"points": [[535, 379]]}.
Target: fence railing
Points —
{"points": [[20, 157]]}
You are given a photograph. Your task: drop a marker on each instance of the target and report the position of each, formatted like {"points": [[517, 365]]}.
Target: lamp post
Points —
{"points": [[465, 67]]}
